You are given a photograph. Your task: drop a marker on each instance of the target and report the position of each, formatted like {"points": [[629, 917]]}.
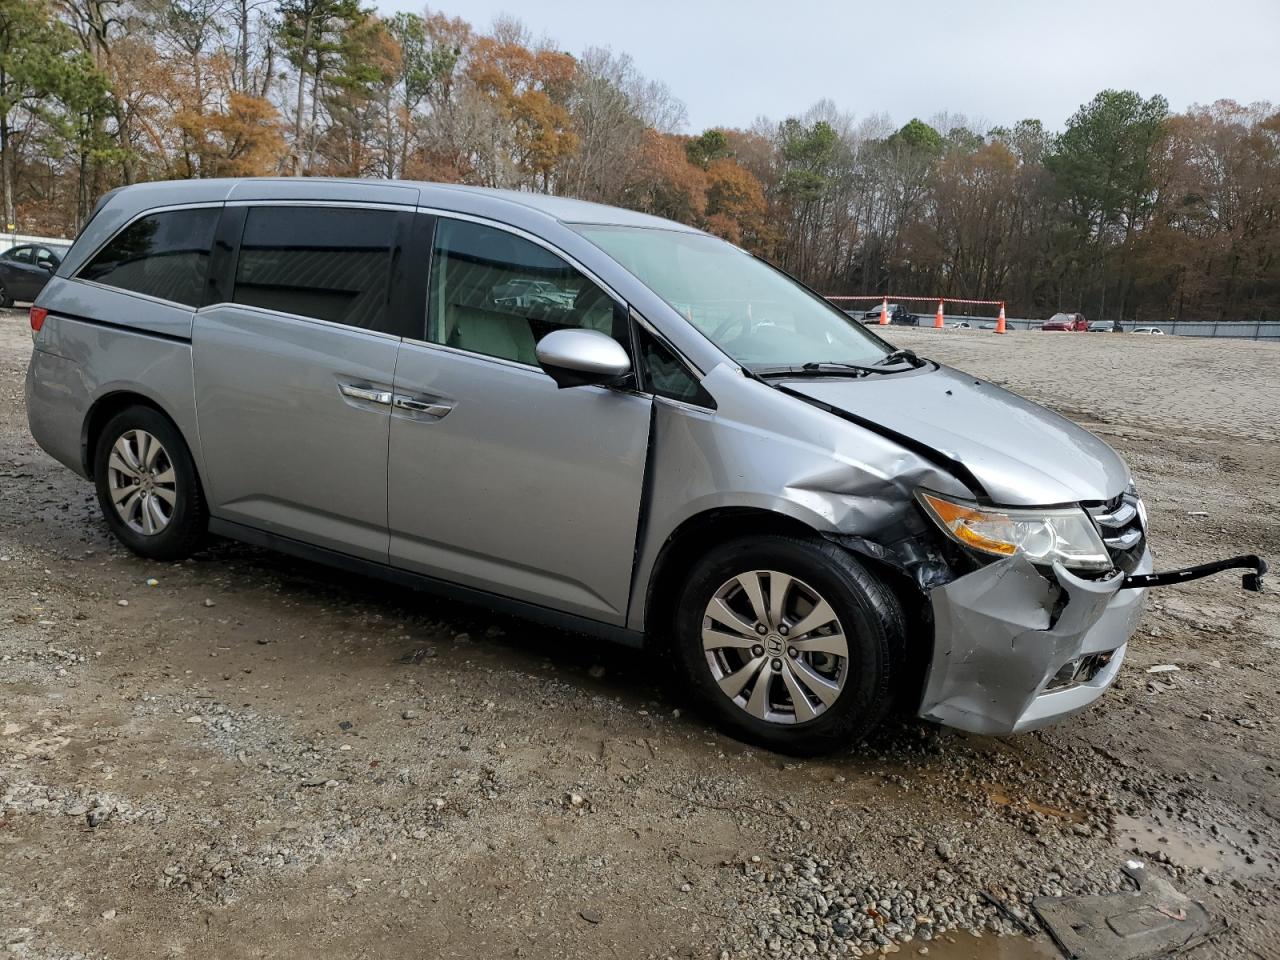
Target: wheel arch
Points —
{"points": [[700, 533], [690, 541], [107, 406]]}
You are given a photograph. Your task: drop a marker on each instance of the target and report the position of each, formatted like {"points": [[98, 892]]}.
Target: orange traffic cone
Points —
{"points": [[884, 313], [937, 321], [1000, 320]]}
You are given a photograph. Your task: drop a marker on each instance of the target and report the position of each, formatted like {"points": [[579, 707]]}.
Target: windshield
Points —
{"points": [[754, 313]]}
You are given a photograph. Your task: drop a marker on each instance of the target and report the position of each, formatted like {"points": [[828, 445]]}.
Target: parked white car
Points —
{"points": [[1153, 330]]}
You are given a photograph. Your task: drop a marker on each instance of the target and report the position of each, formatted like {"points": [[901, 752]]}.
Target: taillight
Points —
{"points": [[38, 315]]}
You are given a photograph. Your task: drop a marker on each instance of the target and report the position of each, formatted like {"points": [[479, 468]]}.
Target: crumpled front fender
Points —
{"points": [[1002, 632]]}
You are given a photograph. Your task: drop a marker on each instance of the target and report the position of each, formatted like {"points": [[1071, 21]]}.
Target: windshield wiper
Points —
{"points": [[898, 356], [815, 369], [835, 368]]}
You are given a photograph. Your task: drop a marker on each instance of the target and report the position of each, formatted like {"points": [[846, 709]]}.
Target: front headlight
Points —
{"points": [[1065, 535]]}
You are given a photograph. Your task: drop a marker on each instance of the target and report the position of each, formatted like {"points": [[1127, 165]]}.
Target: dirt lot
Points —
{"points": [[284, 761]]}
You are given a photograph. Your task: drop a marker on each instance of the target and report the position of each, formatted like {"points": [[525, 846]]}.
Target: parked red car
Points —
{"points": [[1066, 321]]}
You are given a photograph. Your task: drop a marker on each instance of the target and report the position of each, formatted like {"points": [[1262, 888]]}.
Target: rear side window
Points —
{"points": [[19, 254], [332, 263], [164, 255]]}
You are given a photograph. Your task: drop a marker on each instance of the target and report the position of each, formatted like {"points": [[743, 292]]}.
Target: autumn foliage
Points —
{"points": [[1129, 211]]}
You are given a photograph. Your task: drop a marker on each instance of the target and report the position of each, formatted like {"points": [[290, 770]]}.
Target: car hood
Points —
{"points": [[1021, 453]]}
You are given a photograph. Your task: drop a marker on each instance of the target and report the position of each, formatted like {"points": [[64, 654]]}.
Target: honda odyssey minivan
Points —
{"points": [[606, 421]]}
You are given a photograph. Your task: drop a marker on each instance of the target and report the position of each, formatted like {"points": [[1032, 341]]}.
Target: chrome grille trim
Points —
{"points": [[1118, 517], [1119, 524], [1125, 541]]}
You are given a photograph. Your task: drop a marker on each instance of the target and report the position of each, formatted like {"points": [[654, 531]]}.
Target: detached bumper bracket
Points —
{"points": [[1250, 581]]}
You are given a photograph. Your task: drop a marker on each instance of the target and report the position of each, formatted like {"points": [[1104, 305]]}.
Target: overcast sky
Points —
{"points": [[997, 61]]}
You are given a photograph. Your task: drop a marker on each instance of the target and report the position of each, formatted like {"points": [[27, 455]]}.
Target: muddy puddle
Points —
{"points": [[964, 946], [1226, 852]]}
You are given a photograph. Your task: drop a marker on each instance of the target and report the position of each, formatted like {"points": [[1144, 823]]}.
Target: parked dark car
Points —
{"points": [[25, 269], [899, 316]]}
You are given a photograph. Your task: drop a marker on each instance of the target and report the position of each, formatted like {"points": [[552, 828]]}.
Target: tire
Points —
{"points": [[866, 613], [173, 485], [5, 299]]}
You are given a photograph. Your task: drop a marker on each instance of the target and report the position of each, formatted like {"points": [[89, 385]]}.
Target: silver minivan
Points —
{"points": [[606, 421]]}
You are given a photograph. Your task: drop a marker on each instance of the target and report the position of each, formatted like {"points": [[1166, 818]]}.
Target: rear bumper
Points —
{"points": [[57, 403], [1003, 635]]}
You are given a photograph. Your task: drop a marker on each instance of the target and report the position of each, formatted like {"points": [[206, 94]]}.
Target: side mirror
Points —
{"points": [[48, 265], [574, 358]]}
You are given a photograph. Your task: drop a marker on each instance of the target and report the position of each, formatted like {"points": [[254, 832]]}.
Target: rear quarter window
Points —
{"points": [[163, 255]]}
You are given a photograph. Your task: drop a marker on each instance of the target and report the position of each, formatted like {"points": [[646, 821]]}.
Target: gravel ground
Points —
{"points": [[246, 755]]}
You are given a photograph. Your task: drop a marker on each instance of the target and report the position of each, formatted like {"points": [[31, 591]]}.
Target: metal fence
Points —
{"points": [[1238, 329]]}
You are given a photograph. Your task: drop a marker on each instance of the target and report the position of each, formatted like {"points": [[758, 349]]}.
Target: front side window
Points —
{"points": [[330, 263], [666, 375], [45, 257], [754, 313], [498, 294], [164, 255]]}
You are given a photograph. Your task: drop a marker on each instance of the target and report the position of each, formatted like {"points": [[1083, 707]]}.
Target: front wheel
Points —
{"points": [[147, 485], [5, 299], [790, 643]]}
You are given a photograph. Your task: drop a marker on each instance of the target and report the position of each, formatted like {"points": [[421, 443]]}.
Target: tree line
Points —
{"points": [[1130, 211]]}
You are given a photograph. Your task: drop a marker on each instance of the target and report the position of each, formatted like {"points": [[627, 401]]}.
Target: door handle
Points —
{"points": [[359, 391], [433, 409]]}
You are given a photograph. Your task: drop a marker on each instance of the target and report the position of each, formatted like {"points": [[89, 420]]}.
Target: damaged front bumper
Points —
{"points": [[1015, 649]]}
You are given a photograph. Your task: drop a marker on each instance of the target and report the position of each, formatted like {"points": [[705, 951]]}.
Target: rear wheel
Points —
{"points": [[790, 643], [5, 299], [147, 485]]}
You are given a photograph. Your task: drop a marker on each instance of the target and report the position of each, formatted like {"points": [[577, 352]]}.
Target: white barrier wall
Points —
{"points": [[9, 240]]}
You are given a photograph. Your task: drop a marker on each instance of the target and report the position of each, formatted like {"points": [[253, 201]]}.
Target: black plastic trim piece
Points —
{"points": [[1250, 581], [418, 581]]}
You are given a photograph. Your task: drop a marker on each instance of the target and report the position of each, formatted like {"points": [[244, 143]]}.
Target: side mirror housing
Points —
{"points": [[575, 358]]}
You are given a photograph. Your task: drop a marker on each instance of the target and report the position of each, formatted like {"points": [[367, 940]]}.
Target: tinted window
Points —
{"points": [[498, 294], [44, 255], [329, 263], [20, 254], [164, 255]]}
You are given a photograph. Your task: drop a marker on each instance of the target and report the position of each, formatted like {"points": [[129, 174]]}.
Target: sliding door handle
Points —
{"points": [[363, 391], [430, 408]]}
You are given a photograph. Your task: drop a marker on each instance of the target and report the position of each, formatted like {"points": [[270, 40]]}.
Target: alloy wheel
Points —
{"points": [[775, 647], [142, 482]]}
